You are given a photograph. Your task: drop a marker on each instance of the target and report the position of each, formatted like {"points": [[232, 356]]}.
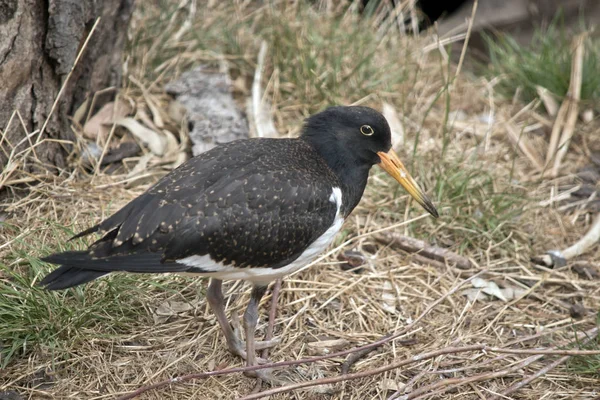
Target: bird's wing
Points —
{"points": [[242, 206]]}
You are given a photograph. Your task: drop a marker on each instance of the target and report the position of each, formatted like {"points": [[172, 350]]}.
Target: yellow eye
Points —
{"points": [[367, 130]]}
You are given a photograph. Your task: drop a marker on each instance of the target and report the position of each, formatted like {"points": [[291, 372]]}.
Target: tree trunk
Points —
{"points": [[39, 42]]}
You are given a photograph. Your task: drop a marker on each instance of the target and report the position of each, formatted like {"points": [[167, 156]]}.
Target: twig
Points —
{"points": [[261, 122], [522, 142], [572, 100], [467, 37], [434, 387], [354, 357], [376, 344], [536, 354], [518, 385], [559, 258], [420, 247], [362, 374]]}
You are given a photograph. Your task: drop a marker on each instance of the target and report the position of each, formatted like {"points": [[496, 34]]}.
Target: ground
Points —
{"points": [[497, 210]]}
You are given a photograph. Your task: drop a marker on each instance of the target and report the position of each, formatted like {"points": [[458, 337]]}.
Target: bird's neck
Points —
{"points": [[352, 174]]}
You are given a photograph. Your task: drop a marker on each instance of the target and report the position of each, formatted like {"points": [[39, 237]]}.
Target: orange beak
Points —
{"points": [[393, 166]]}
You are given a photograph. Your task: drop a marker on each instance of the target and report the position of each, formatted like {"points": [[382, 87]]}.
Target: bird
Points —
{"points": [[254, 209]]}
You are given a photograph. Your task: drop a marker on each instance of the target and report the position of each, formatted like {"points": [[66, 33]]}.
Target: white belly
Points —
{"points": [[266, 275]]}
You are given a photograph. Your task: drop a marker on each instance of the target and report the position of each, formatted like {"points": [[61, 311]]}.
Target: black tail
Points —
{"points": [[78, 267], [67, 276]]}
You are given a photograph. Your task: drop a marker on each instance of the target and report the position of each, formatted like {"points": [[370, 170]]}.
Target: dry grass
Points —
{"points": [[102, 340]]}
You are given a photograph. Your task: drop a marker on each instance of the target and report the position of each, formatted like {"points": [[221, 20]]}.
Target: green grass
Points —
{"points": [[586, 365], [33, 318], [319, 59], [546, 62]]}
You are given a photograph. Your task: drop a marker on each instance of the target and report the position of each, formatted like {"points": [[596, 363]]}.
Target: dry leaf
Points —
{"points": [[79, 114], [488, 287], [511, 293], [548, 100], [156, 142], [391, 385], [388, 298], [141, 166], [172, 143], [99, 124], [475, 295], [169, 308], [324, 347]]}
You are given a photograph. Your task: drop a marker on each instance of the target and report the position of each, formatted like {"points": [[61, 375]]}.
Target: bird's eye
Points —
{"points": [[366, 130]]}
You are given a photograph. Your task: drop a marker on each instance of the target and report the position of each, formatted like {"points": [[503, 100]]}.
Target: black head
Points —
{"points": [[355, 133], [352, 140]]}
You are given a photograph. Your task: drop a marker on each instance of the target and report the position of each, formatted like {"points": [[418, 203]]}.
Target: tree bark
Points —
{"points": [[39, 42]]}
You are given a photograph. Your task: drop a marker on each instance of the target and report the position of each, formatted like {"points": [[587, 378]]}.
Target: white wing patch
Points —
{"points": [[266, 275]]}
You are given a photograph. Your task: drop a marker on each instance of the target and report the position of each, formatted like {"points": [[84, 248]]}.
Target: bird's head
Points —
{"points": [[360, 137]]}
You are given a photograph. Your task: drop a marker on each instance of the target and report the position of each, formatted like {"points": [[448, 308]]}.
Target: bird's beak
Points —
{"points": [[393, 166]]}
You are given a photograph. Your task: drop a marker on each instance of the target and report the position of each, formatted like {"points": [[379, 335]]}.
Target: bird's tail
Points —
{"points": [[68, 274], [78, 267]]}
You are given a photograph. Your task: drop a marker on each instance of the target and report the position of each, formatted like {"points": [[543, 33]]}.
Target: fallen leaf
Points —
{"points": [[172, 143], [550, 103], [474, 295], [170, 308], [388, 298], [324, 347], [99, 125], [488, 287], [156, 142], [391, 385], [141, 166], [511, 293], [79, 114]]}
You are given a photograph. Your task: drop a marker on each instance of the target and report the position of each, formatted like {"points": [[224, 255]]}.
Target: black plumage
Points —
{"points": [[249, 203], [250, 206]]}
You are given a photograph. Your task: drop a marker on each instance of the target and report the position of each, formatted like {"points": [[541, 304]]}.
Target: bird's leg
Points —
{"points": [[250, 320], [215, 299], [272, 315]]}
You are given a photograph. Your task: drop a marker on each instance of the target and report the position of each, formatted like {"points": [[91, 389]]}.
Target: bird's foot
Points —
{"points": [[238, 347], [265, 375]]}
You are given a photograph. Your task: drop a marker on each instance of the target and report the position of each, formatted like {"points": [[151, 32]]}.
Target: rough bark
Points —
{"points": [[39, 42]]}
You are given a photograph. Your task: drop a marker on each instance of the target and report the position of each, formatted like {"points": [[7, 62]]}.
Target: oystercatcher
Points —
{"points": [[255, 209]]}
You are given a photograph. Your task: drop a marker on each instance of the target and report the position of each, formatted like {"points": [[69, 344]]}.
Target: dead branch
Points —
{"points": [[447, 384], [572, 103], [363, 374], [560, 258], [518, 385], [420, 247], [261, 120], [355, 357]]}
